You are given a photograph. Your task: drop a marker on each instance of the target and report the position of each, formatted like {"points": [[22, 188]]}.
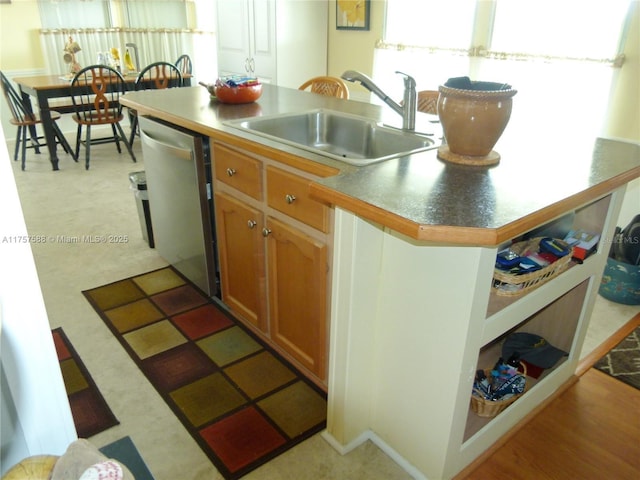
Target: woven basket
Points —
{"points": [[519, 284], [489, 408]]}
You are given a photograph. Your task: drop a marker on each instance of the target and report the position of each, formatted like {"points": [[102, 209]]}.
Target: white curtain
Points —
{"points": [[153, 45]]}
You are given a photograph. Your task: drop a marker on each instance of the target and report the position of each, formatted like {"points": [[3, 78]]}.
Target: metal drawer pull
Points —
{"points": [[252, 223], [265, 232], [290, 198], [231, 172]]}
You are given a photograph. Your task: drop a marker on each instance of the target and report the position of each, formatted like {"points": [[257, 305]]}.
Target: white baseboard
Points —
{"points": [[381, 444]]}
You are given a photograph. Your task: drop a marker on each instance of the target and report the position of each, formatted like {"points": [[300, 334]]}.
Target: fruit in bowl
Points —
{"points": [[235, 90]]}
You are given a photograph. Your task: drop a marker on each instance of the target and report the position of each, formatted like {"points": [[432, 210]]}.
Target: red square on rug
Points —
{"points": [[202, 321], [177, 367], [61, 347], [242, 438], [179, 299]]}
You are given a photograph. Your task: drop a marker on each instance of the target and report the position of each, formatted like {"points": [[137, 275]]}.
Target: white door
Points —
{"points": [[263, 40], [233, 37]]}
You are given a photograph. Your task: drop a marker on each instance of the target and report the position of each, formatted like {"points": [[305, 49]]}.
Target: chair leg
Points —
{"points": [[87, 147], [126, 143], [24, 147], [18, 140], [78, 140], [63, 142], [134, 126], [34, 141], [116, 137]]}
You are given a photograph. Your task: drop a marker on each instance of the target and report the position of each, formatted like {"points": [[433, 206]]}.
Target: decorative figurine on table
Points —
{"points": [[70, 50]]}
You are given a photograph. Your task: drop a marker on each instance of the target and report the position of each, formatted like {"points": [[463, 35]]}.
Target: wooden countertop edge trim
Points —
{"points": [[471, 236], [433, 233]]}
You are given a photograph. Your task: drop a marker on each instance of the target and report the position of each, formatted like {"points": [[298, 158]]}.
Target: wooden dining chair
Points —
{"points": [[96, 92], [428, 101], [184, 64], [26, 120], [329, 86], [156, 76]]}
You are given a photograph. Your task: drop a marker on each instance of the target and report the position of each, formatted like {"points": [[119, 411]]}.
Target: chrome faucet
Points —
{"points": [[408, 108]]}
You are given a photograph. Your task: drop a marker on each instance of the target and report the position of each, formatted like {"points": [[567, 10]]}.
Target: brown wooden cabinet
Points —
{"points": [[241, 252], [274, 259], [297, 272]]}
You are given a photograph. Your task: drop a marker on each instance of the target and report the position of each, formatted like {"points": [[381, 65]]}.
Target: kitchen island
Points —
{"points": [[411, 245]]}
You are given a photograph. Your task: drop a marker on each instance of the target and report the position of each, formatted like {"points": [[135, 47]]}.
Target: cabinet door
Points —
{"points": [[263, 40], [233, 37], [297, 271], [247, 38], [241, 251]]}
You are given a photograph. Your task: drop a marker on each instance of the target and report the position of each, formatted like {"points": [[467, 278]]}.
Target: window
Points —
{"points": [[430, 23], [113, 13], [155, 13], [74, 14], [580, 29], [153, 30], [534, 45]]}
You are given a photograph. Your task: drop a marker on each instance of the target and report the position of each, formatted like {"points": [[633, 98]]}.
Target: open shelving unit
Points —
{"points": [[417, 348], [557, 310]]}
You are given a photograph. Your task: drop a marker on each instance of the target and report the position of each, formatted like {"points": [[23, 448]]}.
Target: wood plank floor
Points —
{"points": [[589, 431]]}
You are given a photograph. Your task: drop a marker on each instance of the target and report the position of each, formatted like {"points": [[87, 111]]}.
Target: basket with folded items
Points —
{"points": [[528, 264], [495, 389]]}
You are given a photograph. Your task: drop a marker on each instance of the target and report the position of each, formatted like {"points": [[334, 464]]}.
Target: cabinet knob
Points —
{"points": [[266, 232], [231, 172], [290, 198], [252, 223]]}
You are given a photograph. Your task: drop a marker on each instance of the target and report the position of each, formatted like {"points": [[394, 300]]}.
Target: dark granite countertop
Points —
{"points": [[543, 171]]}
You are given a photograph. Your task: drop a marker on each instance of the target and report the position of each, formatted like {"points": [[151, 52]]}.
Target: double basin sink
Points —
{"points": [[348, 138]]}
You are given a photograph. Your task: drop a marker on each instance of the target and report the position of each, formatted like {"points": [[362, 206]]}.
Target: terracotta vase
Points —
{"points": [[473, 120]]}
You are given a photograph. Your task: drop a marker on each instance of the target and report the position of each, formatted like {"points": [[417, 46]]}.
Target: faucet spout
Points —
{"points": [[408, 108]]}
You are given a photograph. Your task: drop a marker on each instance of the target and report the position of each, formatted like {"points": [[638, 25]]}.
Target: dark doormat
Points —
{"points": [[241, 402], [91, 414], [125, 451], [623, 360]]}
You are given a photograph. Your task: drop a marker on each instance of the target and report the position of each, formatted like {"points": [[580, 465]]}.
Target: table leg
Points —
{"points": [[47, 127]]}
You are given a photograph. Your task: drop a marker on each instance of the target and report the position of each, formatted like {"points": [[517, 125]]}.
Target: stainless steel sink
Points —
{"points": [[348, 138]]}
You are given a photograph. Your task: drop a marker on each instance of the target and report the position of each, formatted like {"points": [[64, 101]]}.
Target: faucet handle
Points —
{"points": [[409, 81]]}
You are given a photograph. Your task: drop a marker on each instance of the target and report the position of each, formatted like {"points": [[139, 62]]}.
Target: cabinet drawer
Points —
{"points": [[289, 194], [238, 171]]}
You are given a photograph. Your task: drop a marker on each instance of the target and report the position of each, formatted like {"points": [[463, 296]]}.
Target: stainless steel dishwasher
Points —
{"points": [[178, 171]]}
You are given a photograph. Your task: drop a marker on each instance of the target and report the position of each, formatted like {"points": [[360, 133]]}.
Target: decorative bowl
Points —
{"points": [[234, 94]]}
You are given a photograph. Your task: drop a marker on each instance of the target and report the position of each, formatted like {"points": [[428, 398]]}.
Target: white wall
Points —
{"points": [[34, 399]]}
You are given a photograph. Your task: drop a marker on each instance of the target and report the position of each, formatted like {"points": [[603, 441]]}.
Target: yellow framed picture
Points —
{"points": [[352, 14]]}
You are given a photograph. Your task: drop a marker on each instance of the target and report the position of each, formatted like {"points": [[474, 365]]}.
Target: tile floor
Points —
{"points": [[71, 205]]}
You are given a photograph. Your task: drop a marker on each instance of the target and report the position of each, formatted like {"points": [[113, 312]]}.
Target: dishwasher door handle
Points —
{"points": [[173, 150]]}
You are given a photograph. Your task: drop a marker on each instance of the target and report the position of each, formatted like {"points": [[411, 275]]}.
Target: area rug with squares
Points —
{"points": [[90, 412], [241, 402], [623, 360]]}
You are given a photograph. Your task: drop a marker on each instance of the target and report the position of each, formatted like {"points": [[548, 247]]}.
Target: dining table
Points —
{"points": [[53, 93]]}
